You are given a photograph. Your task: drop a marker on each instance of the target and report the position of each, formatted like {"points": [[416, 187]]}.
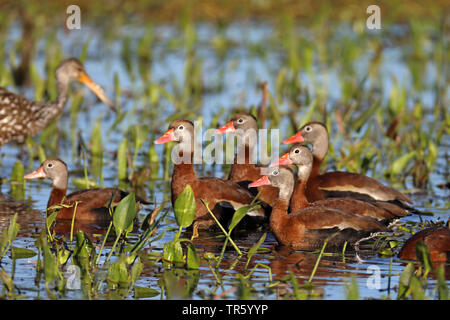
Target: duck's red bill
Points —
{"points": [[263, 181], [166, 137], [38, 173], [229, 127], [294, 139], [283, 161]]}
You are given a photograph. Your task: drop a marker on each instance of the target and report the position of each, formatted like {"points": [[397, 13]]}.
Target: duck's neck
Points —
{"points": [[51, 110], [298, 199], [320, 149], [279, 217], [245, 155], [183, 174], [58, 192], [56, 197]]}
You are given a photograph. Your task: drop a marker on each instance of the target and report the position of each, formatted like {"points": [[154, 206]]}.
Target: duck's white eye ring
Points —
{"points": [[297, 151], [275, 172], [181, 127], [308, 129], [240, 120], [49, 165]]}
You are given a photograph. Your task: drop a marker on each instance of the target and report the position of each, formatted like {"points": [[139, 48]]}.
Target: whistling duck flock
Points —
{"points": [[303, 207]]}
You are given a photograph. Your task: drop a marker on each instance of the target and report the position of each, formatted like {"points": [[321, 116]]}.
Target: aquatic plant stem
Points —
{"points": [[71, 225], [320, 256], [103, 243], [222, 228], [113, 248]]}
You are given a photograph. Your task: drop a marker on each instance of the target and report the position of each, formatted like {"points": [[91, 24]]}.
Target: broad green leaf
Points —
{"points": [[423, 255], [136, 271], [13, 228], [173, 252], [185, 208], [386, 252], [142, 292], [405, 279], [125, 213], [192, 258], [237, 216], [22, 253], [417, 289], [6, 280], [84, 247], [62, 255], [50, 267], [118, 274]]}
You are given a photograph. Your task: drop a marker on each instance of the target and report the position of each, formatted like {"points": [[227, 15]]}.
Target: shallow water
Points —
{"points": [[242, 71]]}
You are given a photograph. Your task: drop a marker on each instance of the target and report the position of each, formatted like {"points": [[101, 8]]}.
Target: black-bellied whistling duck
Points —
{"points": [[213, 190], [308, 228], [244, 169], [302, 157], [20, 117], [436, 238], [338, 183], [91, 207]]}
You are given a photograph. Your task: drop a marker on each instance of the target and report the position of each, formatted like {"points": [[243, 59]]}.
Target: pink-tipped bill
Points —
{"points": [[263, 181], [295, 138], [38, 173], [229, 127], [166, 137], [283, 161]]}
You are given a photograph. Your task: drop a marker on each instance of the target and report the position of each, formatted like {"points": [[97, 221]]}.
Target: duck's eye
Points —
{"points": [[49, 165], [297, 151], [275, 172], [181, 127], [308, 129], [240, 120]]}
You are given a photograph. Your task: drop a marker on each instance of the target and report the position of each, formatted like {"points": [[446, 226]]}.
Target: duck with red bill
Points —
{"points": [[295, 138], [38, 173], [168, 136], [283, 161], [263, 181], [229, 127]]}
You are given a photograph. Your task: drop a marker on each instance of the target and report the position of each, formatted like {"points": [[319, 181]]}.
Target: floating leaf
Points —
{"points": [[142, 292]]}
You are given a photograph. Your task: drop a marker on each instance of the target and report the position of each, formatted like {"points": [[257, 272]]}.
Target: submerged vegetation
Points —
{"points": [[383, 94]]}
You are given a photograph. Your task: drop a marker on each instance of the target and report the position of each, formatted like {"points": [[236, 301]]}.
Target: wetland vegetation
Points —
{"points": [[383, 94]]}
